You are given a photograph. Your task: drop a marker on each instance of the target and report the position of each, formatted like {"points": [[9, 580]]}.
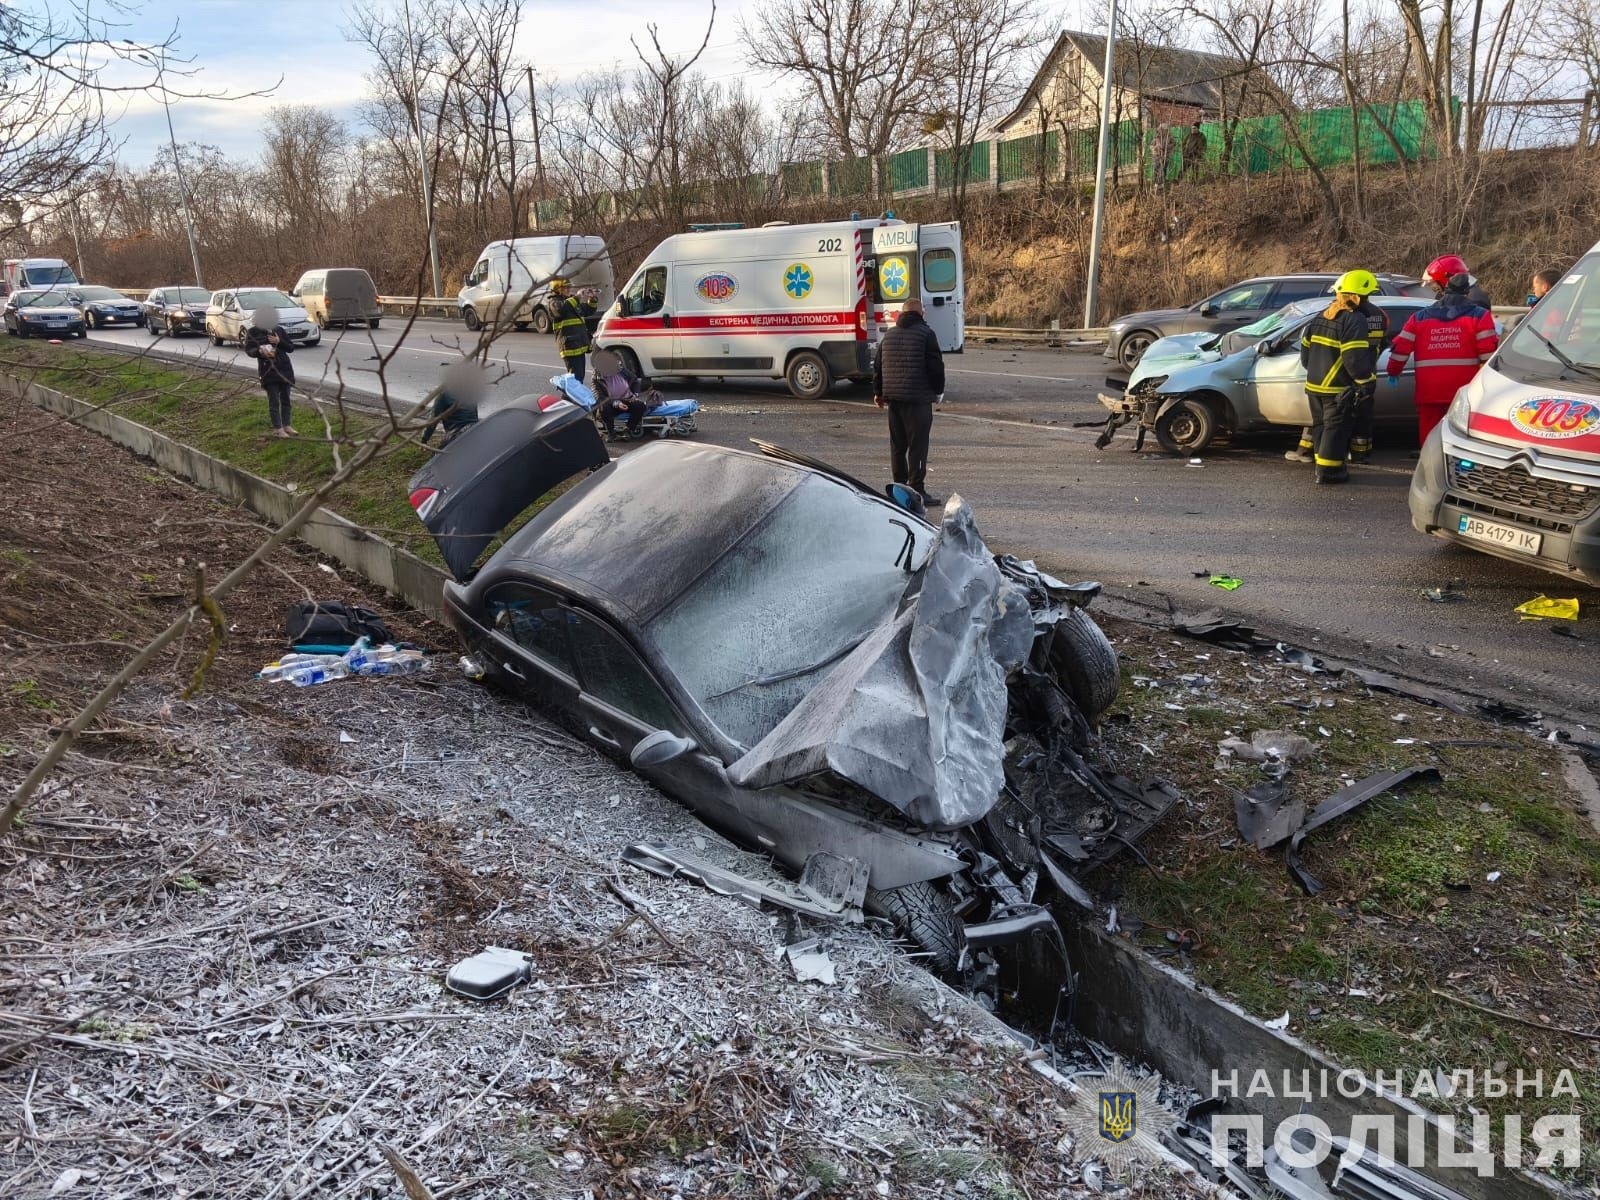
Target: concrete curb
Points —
{"points": [[1145, 1009], [398, 572]]}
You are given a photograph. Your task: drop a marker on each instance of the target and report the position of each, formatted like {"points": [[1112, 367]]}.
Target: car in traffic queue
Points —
{"points": [[102, 306], [176, 309], [1513, 470], [229, 313], [46, 314], [338, 296], [1191, 393], [1242, 303]]}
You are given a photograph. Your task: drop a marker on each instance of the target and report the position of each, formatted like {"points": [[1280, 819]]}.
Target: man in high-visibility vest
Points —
{"points": [[571, 327], [1447, 341], [1362, 418], [1336, 351]]}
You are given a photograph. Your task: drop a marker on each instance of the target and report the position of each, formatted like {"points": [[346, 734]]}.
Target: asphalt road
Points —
{"points": [[1338, 570]]}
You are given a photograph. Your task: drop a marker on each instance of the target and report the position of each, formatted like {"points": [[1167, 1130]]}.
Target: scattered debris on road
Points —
{"points": [[1337, 805], [1543, 608], [1227, 583]]}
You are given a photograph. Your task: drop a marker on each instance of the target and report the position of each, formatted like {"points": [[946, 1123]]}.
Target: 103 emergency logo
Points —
{"points": [[716, 286], [1556, 417]]}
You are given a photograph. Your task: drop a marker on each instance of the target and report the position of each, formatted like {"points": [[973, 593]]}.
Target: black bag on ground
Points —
{"points": [[333, 623]]}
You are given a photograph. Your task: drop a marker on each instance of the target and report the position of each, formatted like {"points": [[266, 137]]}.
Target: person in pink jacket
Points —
{"points": [[1448, 341]]}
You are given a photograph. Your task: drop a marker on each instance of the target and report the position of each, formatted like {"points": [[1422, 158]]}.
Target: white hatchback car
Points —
{"points": [[228, 315]]}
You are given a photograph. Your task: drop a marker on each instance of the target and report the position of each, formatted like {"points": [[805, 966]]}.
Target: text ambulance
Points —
{"points": [[802, 303]]}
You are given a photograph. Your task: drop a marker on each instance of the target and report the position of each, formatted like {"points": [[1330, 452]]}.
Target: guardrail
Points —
{"points": [[1054, 335]]}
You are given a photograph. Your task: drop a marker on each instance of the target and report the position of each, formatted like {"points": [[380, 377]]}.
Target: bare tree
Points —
{"points": [[976, 59], [861, 65]]}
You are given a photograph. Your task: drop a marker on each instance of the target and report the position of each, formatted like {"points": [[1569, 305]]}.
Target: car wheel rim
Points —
{"points": [[1133, 349], [808, 377]]}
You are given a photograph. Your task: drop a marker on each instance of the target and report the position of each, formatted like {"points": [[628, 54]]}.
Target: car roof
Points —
{"points": [[635, 535]]}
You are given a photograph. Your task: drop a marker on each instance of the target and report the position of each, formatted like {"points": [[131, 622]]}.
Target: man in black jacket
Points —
{"points": [[267, 343], [1341, 364], [908, 380]]}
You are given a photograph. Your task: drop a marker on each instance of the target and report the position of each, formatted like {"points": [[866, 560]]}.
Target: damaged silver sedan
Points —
{"points": [[816, 672]]}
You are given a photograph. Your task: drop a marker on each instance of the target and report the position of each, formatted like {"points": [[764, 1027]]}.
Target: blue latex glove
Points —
{"points": [[1394, 381]]}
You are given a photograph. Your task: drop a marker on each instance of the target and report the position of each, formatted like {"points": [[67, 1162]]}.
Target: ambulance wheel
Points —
{"points": [[541, 320], [470, 316], [808, 375], [630, 361]]}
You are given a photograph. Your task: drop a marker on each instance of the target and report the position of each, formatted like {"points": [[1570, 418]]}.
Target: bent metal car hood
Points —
{"points": [[493, 470], [916, 713]]}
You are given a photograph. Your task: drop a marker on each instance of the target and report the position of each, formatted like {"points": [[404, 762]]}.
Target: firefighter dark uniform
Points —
{"points": [[571, 327], [1366, 400], [1336, 351]]}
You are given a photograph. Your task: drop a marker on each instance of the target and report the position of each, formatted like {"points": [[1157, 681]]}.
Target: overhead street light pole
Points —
{"points": [[177, 167], [422, 153], [1091, 292]]}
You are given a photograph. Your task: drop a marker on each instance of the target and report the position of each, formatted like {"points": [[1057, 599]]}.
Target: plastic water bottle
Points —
{"points": [[396, 662], [290, 663], [308, 674]]}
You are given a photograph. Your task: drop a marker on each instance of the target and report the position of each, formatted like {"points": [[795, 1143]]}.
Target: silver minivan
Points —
{"points": [[338, 296], [518, 272]]}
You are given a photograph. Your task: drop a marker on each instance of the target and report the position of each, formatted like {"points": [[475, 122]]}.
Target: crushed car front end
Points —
{"points": [[817, 673]]}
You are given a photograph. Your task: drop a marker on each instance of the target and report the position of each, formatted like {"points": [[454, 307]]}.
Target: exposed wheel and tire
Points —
{"points": [[1187, 427], [91, 320], [1133, 346], [808, 375], [373, 324], [630, 361], [1085, 663], [215, 340], [153, 328], [922, 914], [541, 319], [470, 316]]}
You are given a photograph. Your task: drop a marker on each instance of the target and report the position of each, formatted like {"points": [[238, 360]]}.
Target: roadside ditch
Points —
{"points": [[1456, 928]]}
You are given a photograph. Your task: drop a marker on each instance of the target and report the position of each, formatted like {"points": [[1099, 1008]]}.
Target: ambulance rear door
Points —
{"points": [[943, 283]]}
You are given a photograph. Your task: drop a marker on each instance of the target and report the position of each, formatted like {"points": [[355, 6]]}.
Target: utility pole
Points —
{"points": [[538, 151], [1091, 293], [422, 154], [177, 167]]}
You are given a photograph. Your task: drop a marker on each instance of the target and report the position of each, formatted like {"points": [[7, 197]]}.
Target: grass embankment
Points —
{"points": [[1460, 925], [225, 415]]}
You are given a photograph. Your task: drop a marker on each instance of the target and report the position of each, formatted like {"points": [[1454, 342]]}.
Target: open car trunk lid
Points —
{"points": [[469, 492]]}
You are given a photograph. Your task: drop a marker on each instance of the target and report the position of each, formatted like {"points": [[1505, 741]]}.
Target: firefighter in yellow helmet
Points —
{"points": [[1379, 334], [1341, 363], [571, 327]]}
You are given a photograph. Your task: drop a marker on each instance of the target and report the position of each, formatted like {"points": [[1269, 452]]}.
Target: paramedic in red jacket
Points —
{"points": [[1448, 341]]}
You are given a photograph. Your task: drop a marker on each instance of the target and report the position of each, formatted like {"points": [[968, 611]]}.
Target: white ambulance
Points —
{"points": [[802, 303]]}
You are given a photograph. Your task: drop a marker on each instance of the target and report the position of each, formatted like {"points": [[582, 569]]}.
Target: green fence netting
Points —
{"points": [[908, 171], [945, 165]]}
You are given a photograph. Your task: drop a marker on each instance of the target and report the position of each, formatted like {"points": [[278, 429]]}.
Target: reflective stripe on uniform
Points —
{"points": [[1329, 462], [1447, 362]]}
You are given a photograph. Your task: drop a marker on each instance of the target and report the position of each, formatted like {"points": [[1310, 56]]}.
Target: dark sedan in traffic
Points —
{"points": [[46, 314], [102, 306], [176, 309]]}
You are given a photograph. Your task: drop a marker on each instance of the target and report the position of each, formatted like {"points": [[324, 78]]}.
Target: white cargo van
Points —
{"points": [[1514, 468], [518, 272], [802, 303], [23, 273]]}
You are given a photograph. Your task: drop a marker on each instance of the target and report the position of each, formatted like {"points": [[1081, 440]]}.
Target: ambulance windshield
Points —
{"points": [[1559, 339]]}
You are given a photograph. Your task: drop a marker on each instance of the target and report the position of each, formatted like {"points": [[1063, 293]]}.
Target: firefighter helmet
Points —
{"points": [[1357, 283], [1438, 272]]}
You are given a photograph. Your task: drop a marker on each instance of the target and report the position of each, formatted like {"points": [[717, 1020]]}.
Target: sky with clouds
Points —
{"points": [[299, 50]]}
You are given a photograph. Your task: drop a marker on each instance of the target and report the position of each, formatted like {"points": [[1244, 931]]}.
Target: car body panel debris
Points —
{"points": [[809, 667], [490, 973], [1267, 815], [670, 862], [1345, 800], [810, 962]]}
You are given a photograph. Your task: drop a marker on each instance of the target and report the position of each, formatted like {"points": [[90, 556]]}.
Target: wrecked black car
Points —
{"points": [[886, 708]]}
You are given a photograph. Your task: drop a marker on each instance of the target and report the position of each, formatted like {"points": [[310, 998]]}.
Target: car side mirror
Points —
{"points": [[1208, 309], [622, 306], [659, 748]]}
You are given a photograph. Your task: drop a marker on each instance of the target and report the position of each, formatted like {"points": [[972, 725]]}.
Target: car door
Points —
{"points": [[1397, 404], [620, 699], [528, 645], [1277, 379], [942, 284], [1288, 291]]}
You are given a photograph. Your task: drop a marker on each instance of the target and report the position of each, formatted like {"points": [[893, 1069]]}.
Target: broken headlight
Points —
{"points": [[1147, 385]]}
